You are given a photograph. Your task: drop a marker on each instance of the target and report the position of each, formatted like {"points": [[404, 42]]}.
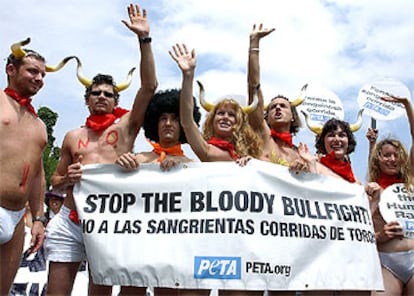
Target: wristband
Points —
{"points": [[42, 219], [145, 39]]}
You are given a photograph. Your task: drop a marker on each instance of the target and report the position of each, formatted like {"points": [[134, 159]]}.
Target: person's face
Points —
{"points": [[101, 99], [389, 161], [337, 141], [27, 80], [55, 203], [279, 114], [168, 129], [223, 122]]}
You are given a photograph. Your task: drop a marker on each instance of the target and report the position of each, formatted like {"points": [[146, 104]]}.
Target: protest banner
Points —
{"points": [[221, 226]]}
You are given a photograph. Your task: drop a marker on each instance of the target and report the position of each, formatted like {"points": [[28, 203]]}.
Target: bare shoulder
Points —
{"points": [[74, 134], [2, 95]]}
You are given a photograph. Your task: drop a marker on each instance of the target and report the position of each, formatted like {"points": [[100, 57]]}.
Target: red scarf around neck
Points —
{"points": [[224, 145], [385, 180], [283, 136], [342, 168], [162, 151], [100, 122], [23, 101]]}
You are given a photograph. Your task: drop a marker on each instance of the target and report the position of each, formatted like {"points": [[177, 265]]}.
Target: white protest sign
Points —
{"points": [[321, 104], [397, 204], [369, 98], [221, 226]]}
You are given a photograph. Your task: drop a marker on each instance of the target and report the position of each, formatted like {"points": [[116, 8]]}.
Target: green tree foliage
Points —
{"points": [[51, 153]]}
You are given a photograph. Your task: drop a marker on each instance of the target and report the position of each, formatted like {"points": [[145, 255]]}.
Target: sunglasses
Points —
{"points": [[105, 93]]}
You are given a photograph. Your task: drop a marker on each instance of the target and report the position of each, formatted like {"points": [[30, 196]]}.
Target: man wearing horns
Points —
{"points": [[281, 120], [21, 172], [109, 132]]}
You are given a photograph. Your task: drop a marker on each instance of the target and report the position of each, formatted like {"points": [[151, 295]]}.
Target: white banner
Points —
{"points": [[218, 225]]}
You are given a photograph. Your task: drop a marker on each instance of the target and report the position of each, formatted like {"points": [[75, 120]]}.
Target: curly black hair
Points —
{"points": [[165, 101], [331, 125]]}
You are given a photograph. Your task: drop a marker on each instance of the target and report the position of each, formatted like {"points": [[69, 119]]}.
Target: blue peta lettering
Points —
{"points": [[206, 267], [378, 109], [319, 117], [409, 225]]}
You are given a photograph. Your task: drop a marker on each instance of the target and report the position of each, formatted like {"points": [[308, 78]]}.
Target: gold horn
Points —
{"points": [[206, 105], [253, 105], [317, 129], [301, 97], [58, 66], [85, 81], [17, 49], [122, 86], [357, 125]]}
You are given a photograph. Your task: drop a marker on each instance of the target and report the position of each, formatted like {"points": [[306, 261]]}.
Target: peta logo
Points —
{"points": [[217, 267], [409, 225]]}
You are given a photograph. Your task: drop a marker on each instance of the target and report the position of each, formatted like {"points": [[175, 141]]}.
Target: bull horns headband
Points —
{"points": [[87, 82], [299, 100], [19, 53], [317, 128], [209, 106]]}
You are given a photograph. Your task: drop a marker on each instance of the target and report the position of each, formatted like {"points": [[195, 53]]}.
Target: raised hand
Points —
{"points": [[372, 135], [138, 21], [185, 60], [259, 32]]}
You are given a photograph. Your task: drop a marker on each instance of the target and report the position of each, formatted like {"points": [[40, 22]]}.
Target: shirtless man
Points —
{"points": [[282, 120], [162, 127], [23, 137], [109, 132]]}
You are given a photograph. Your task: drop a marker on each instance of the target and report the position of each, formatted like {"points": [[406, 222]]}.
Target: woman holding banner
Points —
{"points": [[227, 135], [389, 164]]}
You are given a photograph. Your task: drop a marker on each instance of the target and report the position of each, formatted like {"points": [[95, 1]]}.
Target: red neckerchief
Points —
{"points": [[100, 122], [162, 151], [23, 101], [385, 180], [224, 145], [342, 168], [283, 136]]}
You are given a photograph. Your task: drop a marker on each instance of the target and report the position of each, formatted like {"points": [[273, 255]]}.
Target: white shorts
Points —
{"points": [[8, 221], [64, 240]]}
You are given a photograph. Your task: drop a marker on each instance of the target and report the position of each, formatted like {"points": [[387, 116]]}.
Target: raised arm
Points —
{"points": [[186, 61], [138, 23], [256, 118], [410, 114]]}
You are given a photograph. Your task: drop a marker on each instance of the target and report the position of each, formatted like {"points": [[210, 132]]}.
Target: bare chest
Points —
{"points": [[100, 147]]}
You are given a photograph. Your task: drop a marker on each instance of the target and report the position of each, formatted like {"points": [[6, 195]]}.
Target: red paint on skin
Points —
{"points": [[81, 143], [26, 170], [112, 138]]}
